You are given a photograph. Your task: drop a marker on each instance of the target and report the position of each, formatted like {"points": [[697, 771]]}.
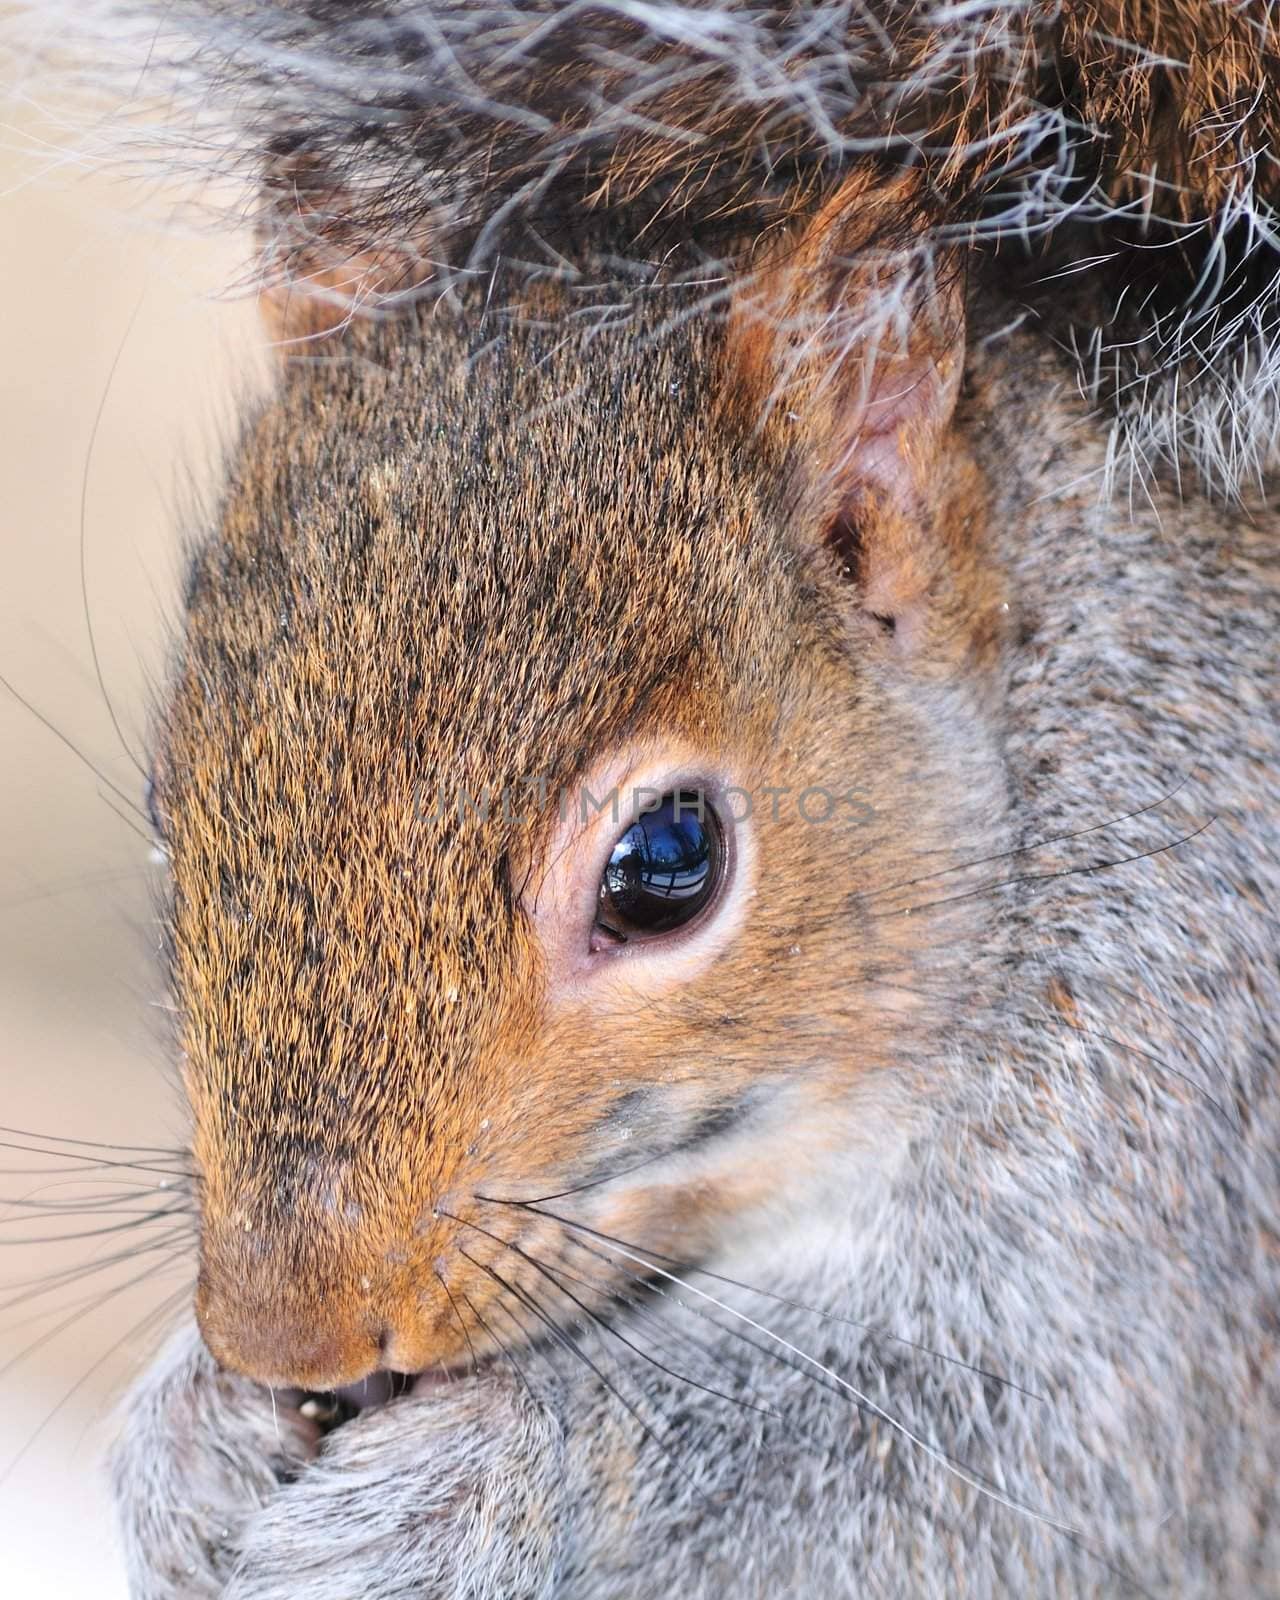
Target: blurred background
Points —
{"points": [[120, 371]]}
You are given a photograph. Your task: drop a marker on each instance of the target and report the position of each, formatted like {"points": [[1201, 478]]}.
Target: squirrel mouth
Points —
{"points": [[329, 1409]]}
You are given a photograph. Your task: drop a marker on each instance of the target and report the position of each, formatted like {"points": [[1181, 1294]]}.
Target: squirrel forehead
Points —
{"points": [[513, 546]]}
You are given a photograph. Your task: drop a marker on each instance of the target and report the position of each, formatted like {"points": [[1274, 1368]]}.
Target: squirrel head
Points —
{"points": [[556, 712]]}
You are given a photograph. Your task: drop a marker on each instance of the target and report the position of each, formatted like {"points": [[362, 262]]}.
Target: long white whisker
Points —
{"points": [[962, 1474]]}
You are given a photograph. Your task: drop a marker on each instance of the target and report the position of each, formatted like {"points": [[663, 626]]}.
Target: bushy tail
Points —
{"points": [[1118, 156]]}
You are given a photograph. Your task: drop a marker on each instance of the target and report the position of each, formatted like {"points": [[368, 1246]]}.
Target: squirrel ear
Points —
{"points": [[318, 304], [849, 349]]}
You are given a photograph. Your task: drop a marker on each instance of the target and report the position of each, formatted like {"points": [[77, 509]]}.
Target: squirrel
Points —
{"points": [[722, 878]]}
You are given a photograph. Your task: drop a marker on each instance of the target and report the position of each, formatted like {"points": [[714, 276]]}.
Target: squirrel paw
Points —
{"points": [[448, 1495], [200, 1451]]}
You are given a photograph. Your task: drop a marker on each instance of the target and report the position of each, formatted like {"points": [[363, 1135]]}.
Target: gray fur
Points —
{"points": [[199, 1451], [1079, 1199], [1075, 1192]]}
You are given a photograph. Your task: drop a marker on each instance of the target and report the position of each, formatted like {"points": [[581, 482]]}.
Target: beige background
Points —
{"points": [[90, 276]]}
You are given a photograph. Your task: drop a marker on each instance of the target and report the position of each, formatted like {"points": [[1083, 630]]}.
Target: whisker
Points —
{"points": [[49, 1282], [84, 521], [50, 726], [605, 1325], [671, 1336], [144, 1322], [596, 1183], [571, 1344], [795, 1305], [1147, 1055], [109, 1295], [91, 1191], [99, 1167], [92, 1144], [503, 1347], [88, 1163], [1181, 1025], [532, 1343], [962, 1473], [1047, 877], [769, 1352], [108, 1202], [1043, 844], [92, 1299], [466, 1332], [128, 821], [138, 1221]]}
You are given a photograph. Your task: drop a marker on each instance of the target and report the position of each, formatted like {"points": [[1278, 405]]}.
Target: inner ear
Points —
{"points": [[849, 347], [892, 479], [846, 538]]}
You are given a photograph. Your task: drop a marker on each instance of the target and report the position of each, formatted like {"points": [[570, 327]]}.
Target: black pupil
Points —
{"points": [[664, 868]]}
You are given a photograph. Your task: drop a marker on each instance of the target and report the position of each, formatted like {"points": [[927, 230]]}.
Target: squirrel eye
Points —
{"points": [[664, 870]]}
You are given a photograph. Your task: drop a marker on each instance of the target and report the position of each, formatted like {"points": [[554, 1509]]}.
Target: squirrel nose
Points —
{"points": [[279, 1325], [306, 1346]]}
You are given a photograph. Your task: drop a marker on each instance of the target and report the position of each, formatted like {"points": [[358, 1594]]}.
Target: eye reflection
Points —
{"points": [[664, 870]]}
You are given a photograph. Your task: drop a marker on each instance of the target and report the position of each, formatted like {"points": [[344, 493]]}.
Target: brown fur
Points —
{"points": [[813, 542], [373, 1037]]}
